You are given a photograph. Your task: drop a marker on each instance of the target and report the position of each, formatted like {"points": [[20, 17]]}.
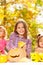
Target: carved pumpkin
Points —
{"points": [[14, 55], [3, 58]]}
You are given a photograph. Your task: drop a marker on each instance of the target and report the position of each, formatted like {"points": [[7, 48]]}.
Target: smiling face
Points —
{"points": [[41, 42], [16, 54], [20, 29]]}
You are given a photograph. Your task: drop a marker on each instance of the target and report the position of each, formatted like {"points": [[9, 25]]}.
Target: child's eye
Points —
{"points": [[0, 31], [22, 27], [41, 41], [18, 27]]}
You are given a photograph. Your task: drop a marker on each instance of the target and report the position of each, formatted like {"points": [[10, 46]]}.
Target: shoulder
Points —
{"points": [[12, 35], [4, 41], [37, 49]]}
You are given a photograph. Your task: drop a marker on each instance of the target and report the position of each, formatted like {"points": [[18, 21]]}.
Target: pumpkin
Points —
{"points": [[14, 55], [3, 58]]}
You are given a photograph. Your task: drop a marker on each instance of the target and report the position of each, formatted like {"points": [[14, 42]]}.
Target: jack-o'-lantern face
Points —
{"points": [[16, 54]]}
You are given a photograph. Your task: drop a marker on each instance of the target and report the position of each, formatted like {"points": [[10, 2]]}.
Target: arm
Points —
{"points": [[28, 47], [11, 41]]}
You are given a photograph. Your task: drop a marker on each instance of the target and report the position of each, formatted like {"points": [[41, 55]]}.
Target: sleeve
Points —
{"points": [[10, 42], [28, 47]]}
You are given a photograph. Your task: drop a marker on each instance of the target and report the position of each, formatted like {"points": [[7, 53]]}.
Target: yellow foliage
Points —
{"points": [[3, 58], [37, 57]]}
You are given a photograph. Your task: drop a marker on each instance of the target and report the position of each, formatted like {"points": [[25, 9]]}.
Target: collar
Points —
{"points": [[18, 36]]}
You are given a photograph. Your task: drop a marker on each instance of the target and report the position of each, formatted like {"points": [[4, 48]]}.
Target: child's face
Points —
{"points": [[20, 29], [1, 32], [41, 42]]}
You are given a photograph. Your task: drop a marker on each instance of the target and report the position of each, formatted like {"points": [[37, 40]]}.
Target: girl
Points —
{"points": [[2, 40], [19, 34], [39, 48]]}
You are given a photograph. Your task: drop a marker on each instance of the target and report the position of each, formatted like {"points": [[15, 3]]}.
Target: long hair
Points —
{"points": [[4, 30], [25, 27], [39, 37]]}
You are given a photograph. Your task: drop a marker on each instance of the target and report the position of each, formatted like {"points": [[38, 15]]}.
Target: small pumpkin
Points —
{"points": [[3, 58], [14, 55]]}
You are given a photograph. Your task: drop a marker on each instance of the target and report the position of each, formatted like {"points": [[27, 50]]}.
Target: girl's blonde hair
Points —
{"points": [[2, 27]]}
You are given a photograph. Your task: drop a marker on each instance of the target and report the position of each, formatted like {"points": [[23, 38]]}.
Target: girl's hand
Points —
{"points": [[24, 47]]}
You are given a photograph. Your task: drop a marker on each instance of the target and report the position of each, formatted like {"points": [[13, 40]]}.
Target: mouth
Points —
{"points": [[42, 44], [15, 56]]}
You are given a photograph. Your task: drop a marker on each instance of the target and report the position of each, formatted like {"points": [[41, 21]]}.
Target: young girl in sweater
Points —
{"points": [[20, 34]]}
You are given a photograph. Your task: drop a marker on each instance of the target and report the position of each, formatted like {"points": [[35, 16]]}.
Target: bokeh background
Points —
{"points": [[29, 10]]}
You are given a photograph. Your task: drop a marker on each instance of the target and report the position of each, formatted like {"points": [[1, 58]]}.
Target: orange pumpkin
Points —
{"points": [[14, 55]]}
